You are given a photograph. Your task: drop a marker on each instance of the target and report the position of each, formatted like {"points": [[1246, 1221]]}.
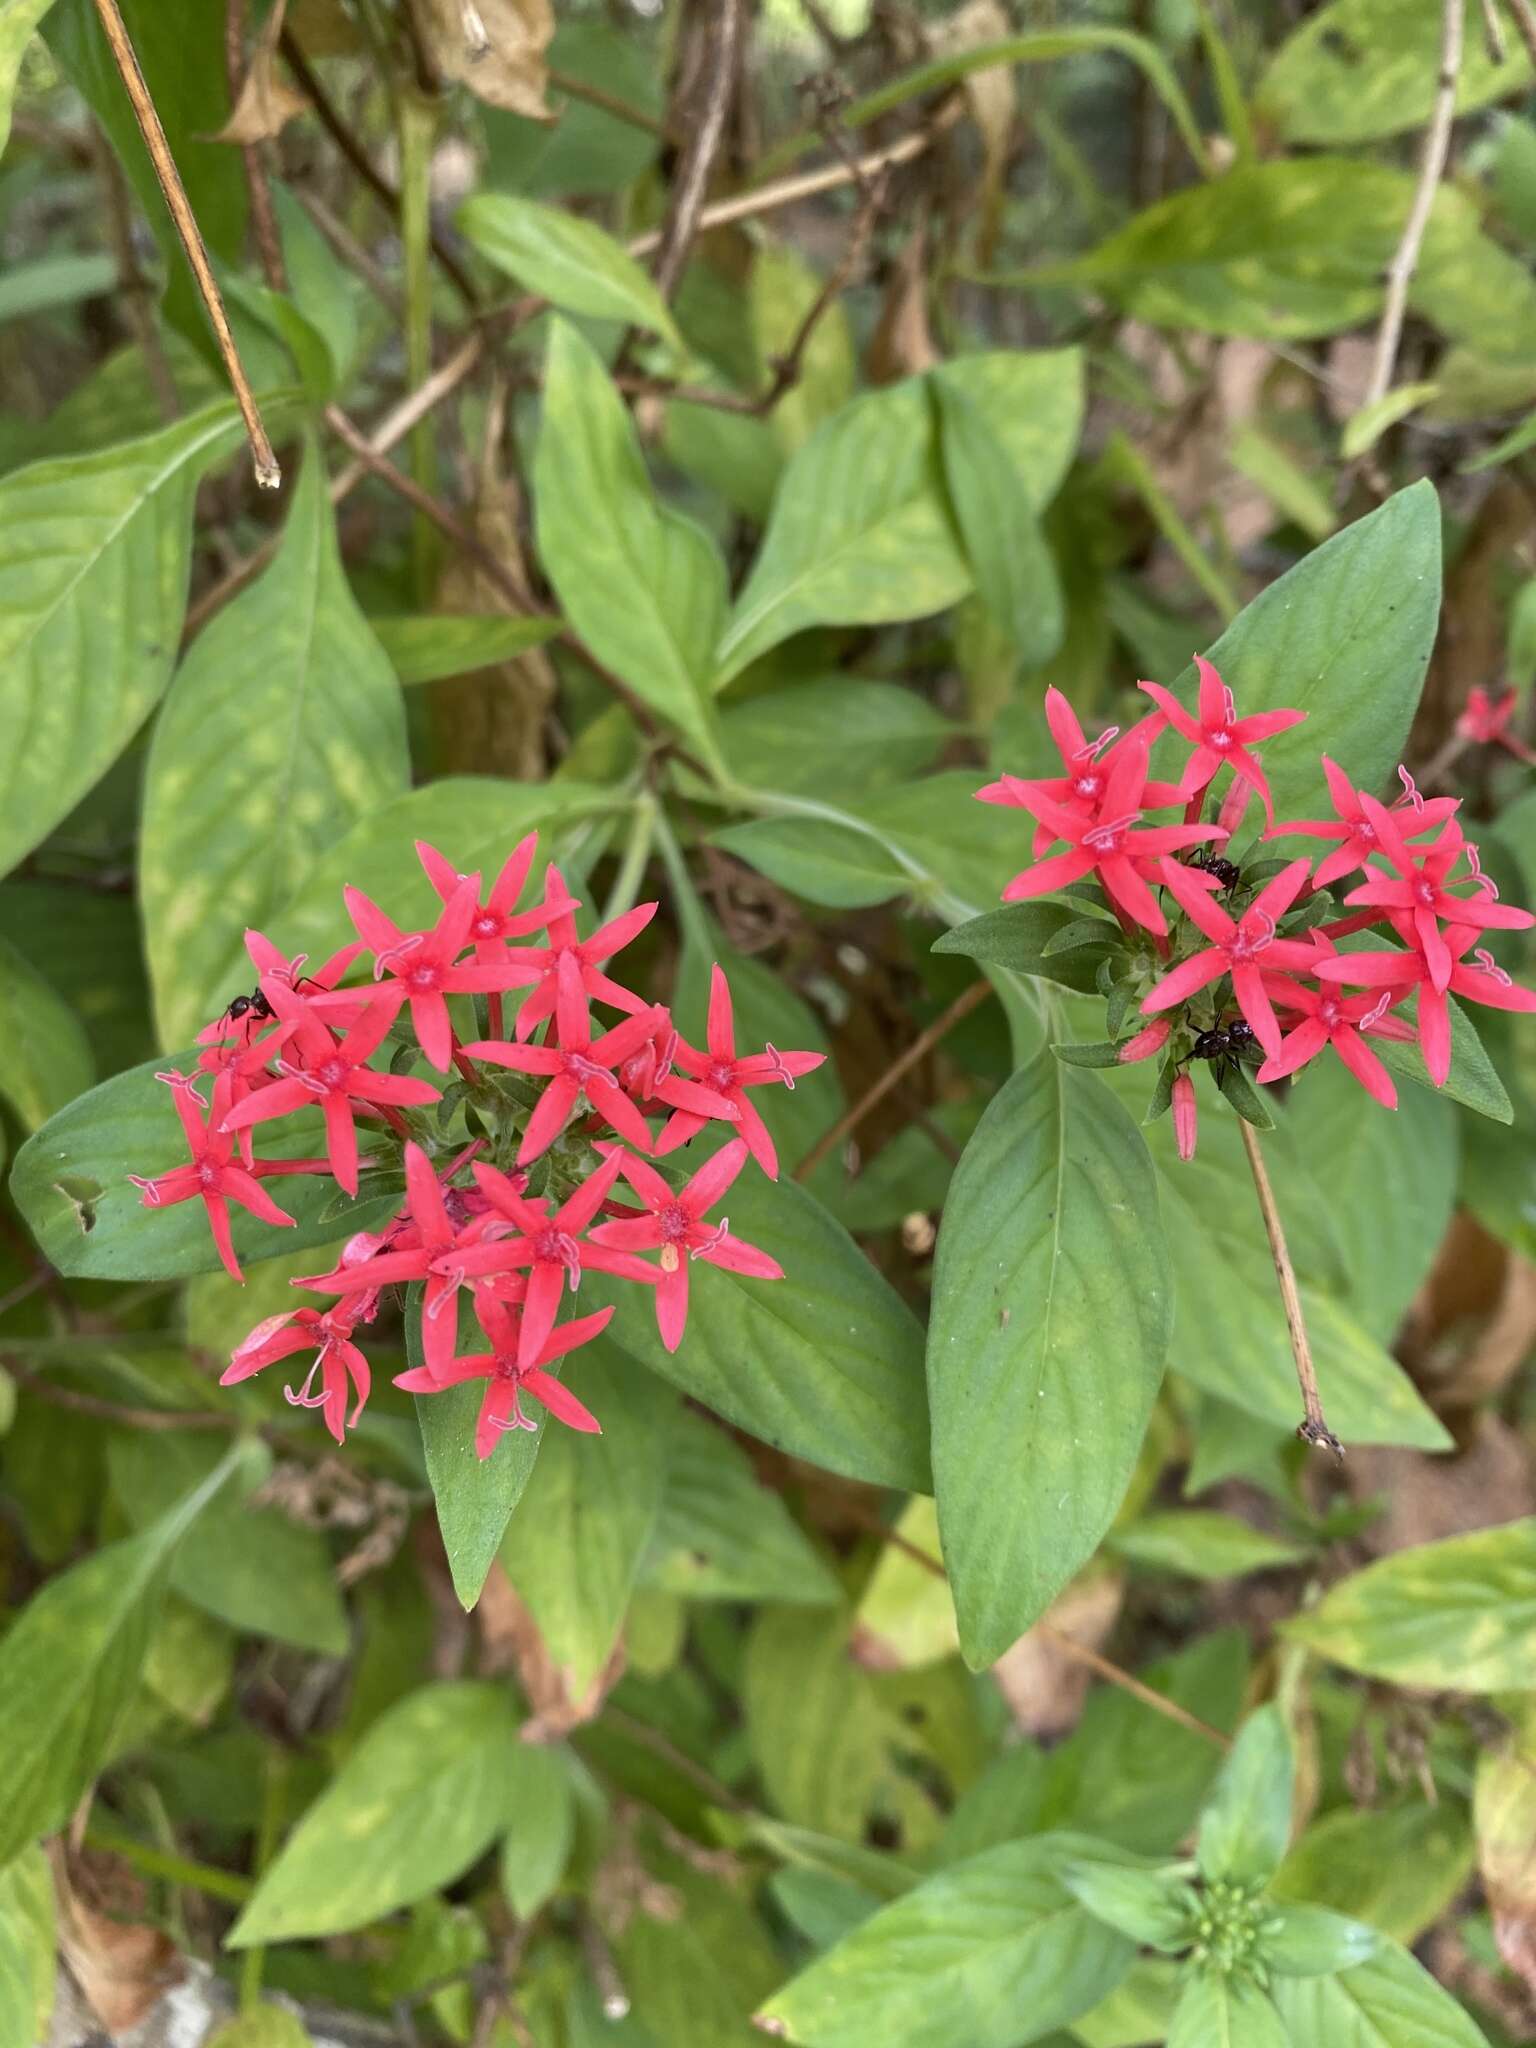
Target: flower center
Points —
{"points": [[720, 1074], [487, 925], [332, 1072], [1253, 935], [1087, 786], [675, 1222], [1329, 1013], [581, 1069], [426, 976], [559, 1248], [1109, 837], [207, 1174], [1425, 892], [1365, 832], [1220, 740]]}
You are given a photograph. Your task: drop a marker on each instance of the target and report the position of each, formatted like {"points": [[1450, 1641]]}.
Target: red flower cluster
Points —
{"points": [[1233, 966], [509, 1176]]}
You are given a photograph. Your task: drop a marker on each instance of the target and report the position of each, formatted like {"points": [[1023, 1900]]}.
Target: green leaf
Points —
{"points": [[47, 282], [800, 739], [574, 1544], [537, 1846], [1051, 1316], [1227, 2012], [27, 1935], [1229, 1334], [284, 727], [474, 1496], [1244, 1830], [70, 1182], [642, 586], [70, 1665], [825, 1364], [45, 1057], [1013, 569], [817, 1731], [859, 534], [94, 556], [1135, 1777], [1363, 429], [828, 864], [1357, 70], [572, 262], [1388, 2001], [1346, 637], [994, 1952], [1202, 1544], [1018, 935], [906, 1618], [251, 1567], [18, 19], [1398, 1870], [1460, 1614], [723, 1535], [1150, 1907], [264, 2026], [419, 1800], [1297, 248], [1289, 487], [1311, 1941], [425, 647]]}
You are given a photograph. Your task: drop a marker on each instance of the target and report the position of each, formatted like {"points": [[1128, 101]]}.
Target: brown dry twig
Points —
{"points": [[1313, 1428], [714, 104], [1405, 258], [923, 1044], [1104, 1667], [268, 473]]}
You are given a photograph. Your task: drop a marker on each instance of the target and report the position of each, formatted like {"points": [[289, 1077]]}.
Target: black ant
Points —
{"points": [[1234, 1040], [254, 1005], [1225, 872]]}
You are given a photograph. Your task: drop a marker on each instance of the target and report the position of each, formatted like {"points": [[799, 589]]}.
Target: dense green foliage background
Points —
{"points": [[707, 431]]}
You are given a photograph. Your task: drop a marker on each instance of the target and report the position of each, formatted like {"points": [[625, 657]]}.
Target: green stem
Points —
{"points": [[690, 913], [274, 1808], [199, 1877], [637, 851]]}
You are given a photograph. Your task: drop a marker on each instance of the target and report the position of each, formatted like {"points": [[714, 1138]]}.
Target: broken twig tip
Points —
{"points": [[1314, 1432], [269, 473]]}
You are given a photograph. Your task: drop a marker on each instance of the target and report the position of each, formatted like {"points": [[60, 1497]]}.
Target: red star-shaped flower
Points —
{"points": [[675, 1225], [1418, 897], [421, 968], [507, 1380], [549, 1243], [1408, 973], [498, 918], [1109, 843], [1085, 766], [1241, 947], [213, 1176], [577, 1065], [436, 1258], [719, 1076], [339, 1363], [1219, 737], [607, 940], [334, 1074], [1358, 842]]}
